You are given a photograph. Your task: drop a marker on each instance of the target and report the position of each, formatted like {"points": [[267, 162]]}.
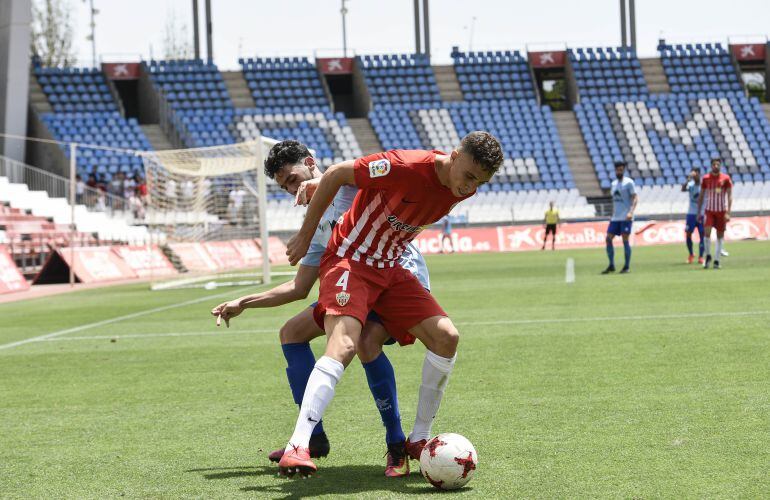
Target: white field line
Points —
{"points": [[569, 271], [472, 323], [137, 314]]}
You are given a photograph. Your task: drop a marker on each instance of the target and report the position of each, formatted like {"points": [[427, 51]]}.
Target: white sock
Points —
{"points": [[707, 244], [718, 249], [318, 393], [435, 375]]}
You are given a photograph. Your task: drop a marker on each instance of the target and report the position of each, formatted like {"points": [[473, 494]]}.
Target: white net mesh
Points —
{"points": [[207, 195]]}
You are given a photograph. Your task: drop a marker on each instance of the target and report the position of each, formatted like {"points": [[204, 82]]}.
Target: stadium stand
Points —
{"points": [[534, 162], [486, 76], [663, 137], [607, 72], [75, 89], [285, 85], [696, 68], [86, 112], [108, 129], [201, 108], [49, 218], [190, 84], [399, 78]]}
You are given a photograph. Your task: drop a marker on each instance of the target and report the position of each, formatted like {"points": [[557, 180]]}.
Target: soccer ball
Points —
{"points": [[448, 461]]}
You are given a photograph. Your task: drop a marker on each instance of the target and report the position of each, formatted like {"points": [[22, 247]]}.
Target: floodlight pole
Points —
{"points": [[196, 35], [426, 27], [417, 44], [632, 22], [344, 11], [93, 33], [209, 31], [73, 167], [623, 40]]}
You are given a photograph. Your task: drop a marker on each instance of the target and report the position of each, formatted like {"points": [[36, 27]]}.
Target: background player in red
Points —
{"points": [[717, 193], [400, 192]]}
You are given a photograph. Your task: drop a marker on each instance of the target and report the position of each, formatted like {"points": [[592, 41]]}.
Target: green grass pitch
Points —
{"points": [[648, 385]]}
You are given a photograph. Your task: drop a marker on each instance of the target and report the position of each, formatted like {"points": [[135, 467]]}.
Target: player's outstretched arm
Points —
{"points": [[332, 180], [296, 289]]}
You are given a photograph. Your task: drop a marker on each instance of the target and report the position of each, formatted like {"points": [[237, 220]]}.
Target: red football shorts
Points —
{"points": [[717, 220], [350, 288]]}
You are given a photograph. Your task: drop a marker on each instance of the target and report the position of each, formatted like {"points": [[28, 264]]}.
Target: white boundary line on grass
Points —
{"points": [[473, 323], [137, 314]]}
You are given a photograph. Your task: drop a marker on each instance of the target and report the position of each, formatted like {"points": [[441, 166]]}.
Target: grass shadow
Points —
{"points": [[329, 480]]}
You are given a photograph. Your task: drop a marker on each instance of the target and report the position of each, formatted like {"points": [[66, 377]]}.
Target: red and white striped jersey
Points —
{"points": [[714, 188], [399, 194]]}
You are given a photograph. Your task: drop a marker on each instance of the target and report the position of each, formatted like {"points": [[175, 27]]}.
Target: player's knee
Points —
{"points": [[343, 350], [608, 239], [368, 349], [446, 343]]}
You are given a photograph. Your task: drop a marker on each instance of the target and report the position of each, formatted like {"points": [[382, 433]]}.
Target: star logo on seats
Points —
{"points": [[546, 58], [120, 70], [747, 50], [334, 65]]}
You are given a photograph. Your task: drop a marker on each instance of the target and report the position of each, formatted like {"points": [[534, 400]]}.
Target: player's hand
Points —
{"points": [[306, 191], [727, 217], [297, 247], [226, 311], [629, 216]]}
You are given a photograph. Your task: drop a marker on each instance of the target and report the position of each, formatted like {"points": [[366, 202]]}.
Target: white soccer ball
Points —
{"points": [[448, 461]]}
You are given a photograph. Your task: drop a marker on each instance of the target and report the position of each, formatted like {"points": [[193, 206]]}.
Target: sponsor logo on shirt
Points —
{"points": [[379, 168], [397, 225]]}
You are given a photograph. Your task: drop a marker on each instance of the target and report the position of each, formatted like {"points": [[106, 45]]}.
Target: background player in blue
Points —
{"points": [[294, 169], [692, 187], [446, 233], [624, 200]]}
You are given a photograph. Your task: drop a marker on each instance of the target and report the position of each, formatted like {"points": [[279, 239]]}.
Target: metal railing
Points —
{"points": [[56, 186]]}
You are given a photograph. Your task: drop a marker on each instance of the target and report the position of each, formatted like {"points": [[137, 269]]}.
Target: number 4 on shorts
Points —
{"points": [[343, 281]]}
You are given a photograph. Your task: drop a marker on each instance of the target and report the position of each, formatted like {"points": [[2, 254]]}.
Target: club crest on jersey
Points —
{"points": [[343, 298], [379, 168]]}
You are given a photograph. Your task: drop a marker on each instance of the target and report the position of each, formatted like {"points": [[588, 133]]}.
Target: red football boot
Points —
{"points": [[415, 449], [297, 459], [319, 448], [700, 260], [690, 259], [398, 461]]}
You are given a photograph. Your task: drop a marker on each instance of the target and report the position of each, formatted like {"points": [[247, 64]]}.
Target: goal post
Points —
{"points": [[204, 195]]}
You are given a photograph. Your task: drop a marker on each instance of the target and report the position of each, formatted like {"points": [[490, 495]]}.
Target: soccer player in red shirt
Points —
{"points": [[717, 193], [400, 192]]}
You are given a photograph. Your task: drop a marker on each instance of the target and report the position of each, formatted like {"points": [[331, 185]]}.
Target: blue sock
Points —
{"points": [[627, 253], [689, 243], [611, 253], [701, 246], [382, 383], [300, 361]]}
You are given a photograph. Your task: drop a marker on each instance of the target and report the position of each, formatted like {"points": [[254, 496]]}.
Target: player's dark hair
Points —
{"points": [[485, 150], [620, 164], [716, 158], [284, 153]]}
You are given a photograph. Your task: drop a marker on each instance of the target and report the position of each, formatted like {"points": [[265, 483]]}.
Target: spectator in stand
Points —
{"points": [[129, 187], [115, 189], [171, 193], [188, 193], [80, 190]]}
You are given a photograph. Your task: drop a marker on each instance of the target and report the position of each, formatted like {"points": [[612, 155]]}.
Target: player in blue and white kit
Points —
{"points": [[295, 170], [692, 187], [624, 200]]}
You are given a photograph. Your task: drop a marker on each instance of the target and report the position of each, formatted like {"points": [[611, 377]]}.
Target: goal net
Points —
{"points": [[207, 208]]}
